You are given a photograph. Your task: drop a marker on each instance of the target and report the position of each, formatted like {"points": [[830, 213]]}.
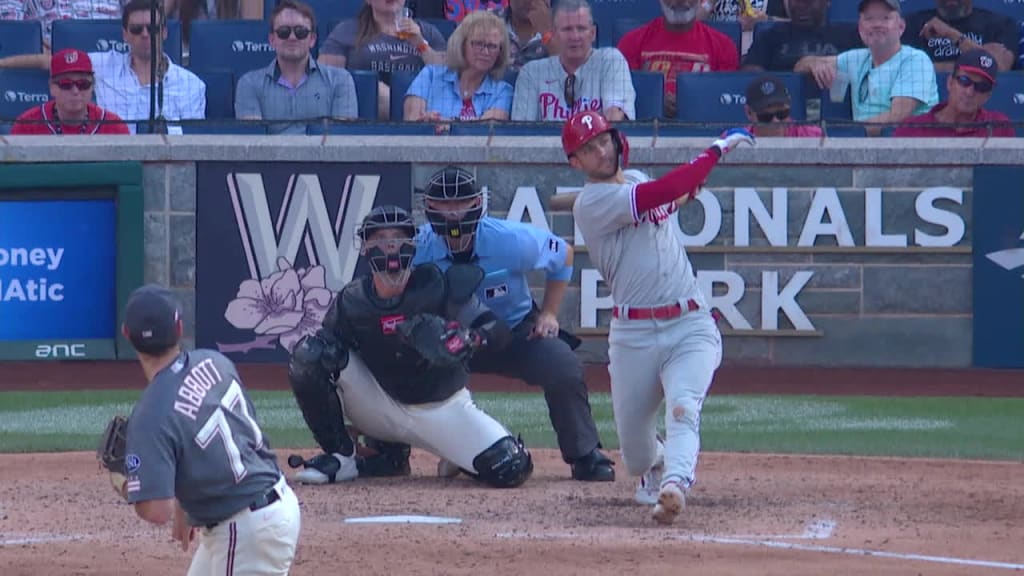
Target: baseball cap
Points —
{"points": [[151, 319], [893, 4], [766, 90], [70, 60], [979, 61]]}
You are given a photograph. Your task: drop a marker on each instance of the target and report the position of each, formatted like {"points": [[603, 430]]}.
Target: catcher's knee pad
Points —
{"points": [[685, 410], [391, 459], [506, 464], [310, 379]]}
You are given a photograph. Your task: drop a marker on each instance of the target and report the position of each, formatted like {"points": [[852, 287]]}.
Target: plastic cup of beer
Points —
{"points": [[837, 91], [404, 13]]}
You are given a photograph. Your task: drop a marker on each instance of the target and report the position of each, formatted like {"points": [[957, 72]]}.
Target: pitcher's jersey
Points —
{"points": [[640, 256], [193, 435]]}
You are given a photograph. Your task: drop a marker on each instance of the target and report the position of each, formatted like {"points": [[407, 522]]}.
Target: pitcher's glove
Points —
{"points": [[111, 452], [438, 342]]}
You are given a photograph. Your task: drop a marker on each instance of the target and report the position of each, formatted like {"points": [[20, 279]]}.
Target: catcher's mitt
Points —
{"points": [[438, 342], [111, 452]]}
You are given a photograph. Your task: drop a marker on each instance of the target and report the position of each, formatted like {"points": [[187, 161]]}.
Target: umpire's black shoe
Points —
{"points": [[594, 467]]}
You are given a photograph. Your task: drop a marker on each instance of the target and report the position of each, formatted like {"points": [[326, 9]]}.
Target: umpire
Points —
{"points": [[540, 353]]}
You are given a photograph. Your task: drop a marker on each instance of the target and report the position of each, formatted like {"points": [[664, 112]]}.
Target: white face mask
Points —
{"points": [[678, 16]]}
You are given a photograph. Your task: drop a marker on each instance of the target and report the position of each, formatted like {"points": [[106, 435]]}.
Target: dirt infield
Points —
{"points": [[750, 514]]}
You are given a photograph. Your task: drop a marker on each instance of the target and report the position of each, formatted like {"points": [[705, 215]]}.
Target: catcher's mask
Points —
{"points": [[454, 206], [389, 254], [584, 126]]}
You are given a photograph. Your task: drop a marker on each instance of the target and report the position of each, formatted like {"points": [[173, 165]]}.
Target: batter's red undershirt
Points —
{"points": [[39, 120], [682, 180]]}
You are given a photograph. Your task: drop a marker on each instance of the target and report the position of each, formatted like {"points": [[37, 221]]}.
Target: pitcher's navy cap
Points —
{"points": [[151, 319]]}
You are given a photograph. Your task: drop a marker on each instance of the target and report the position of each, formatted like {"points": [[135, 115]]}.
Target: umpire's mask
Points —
{"points": [[387, 237], [454, 206]]}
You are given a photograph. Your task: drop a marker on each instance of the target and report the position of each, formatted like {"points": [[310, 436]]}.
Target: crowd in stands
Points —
{"points": [[789, 68]]}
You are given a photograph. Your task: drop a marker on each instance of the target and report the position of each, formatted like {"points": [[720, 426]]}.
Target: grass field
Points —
{"points": [[981, 428]]}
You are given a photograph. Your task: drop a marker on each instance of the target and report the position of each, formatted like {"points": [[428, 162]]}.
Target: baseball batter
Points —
{"points": [[663, 341], [195, 452], [392, 353]]}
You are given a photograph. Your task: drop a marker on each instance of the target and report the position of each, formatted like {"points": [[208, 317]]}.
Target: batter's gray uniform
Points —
{"points": [[654, 350], [193, 436]]}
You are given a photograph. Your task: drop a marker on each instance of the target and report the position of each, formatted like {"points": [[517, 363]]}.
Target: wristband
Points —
{"points": [[422, 48], [545, 38]]}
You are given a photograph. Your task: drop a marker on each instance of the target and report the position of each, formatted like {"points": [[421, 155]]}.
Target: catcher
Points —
{"points": [[393, 351], [192, 452]]}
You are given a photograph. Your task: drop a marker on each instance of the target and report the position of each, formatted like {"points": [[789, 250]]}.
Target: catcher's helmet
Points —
{"points": [[451, 184], [383, 218], [583, 126]]}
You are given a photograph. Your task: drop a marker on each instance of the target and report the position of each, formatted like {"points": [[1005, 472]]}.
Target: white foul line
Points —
{"points": [[36, 540], [851, 551]]}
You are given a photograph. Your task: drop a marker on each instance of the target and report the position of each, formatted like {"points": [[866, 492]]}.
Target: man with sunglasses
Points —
{"points": [[889, 82], [768, 107], [70, 111], [963, 114], [294, 86]]}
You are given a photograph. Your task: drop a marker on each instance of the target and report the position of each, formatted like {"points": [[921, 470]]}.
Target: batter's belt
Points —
{"points": [[657, 313]]}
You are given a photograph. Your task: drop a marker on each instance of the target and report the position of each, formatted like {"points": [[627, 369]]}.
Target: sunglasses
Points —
{"points": [[765, 117], [136, 29], [570, 90], [980, 86], [284, 32], [67, 83]]}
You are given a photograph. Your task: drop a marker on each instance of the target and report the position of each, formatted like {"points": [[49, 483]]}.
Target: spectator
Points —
{"points": [[381, 39], [747, 12], [70, 111], [529, 30], [889, 82], [579, 77], [677, 42], [768, 107], [963, 113], [123, 80], [294, 86], [954, 26], [456, 10], [808, 33], [47, 11], [188, 11], [470, 87]]}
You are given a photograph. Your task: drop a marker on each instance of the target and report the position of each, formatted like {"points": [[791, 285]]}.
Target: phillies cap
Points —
{"points": [[979, 61], [893, 4], [765, 91], [151, 319], [70, 60]]}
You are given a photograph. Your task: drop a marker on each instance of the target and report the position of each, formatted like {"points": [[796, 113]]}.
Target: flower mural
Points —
{"points": [[283, 308]]}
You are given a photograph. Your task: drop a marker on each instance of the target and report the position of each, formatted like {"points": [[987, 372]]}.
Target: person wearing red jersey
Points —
{"points": [[70, 109], [678, 43]]}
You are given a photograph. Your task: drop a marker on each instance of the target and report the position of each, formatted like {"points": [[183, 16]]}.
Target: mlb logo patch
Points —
{"points": [[389, 324], [496, 291]]}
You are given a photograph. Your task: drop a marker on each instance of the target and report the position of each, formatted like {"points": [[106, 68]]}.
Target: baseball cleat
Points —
{"points": [[594, 467], [648, 488], [328, 469], [671, 500]]}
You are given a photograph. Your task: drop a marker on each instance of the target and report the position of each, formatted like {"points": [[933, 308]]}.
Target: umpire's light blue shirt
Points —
{"points": [[506, 251], [439, 86]]}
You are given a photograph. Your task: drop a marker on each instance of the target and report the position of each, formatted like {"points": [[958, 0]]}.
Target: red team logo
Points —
{"points": [[389, 324]]}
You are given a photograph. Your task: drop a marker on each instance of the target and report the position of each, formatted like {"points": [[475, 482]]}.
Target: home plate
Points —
{"points": [[403, 520]]}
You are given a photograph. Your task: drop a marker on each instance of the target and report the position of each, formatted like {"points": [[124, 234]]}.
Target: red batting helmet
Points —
{"points": [[588, 124]]}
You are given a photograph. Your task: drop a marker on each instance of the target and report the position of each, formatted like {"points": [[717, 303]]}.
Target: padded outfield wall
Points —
{"points": [[846, 252]]}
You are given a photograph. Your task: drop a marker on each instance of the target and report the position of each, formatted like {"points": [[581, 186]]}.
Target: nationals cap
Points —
{"points": [[766, 90], [980, 62], [151, 319], [70, 60], [893, 4]]}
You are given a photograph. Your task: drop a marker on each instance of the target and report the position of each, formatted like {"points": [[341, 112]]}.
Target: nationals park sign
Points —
{"points": [[826, 218]]}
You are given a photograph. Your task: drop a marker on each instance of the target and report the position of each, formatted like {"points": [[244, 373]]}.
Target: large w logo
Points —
{"points": [[302, 222], [1010, 259]]}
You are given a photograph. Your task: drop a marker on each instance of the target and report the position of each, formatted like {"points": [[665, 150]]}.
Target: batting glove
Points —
{"points": [[732, 138]]}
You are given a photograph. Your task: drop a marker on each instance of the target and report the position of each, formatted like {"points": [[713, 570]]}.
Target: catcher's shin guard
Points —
{"points": [[317, 396]]}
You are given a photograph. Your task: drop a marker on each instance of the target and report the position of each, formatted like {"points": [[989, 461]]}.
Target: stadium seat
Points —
{"points": [[106, 35], [446, 27], [720, 96], [20, 37], [224, 127], [236, 46], [845, 131], [623, 25], [836, 110], [5, 128], [1007, 97], [383, 129], [325, 10], [733, 30], [650, 94], [22, 89], [761, 28], [608, 12], [511, 76], [366, 93], [501, 129], [400, 82], [220, 94]]}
